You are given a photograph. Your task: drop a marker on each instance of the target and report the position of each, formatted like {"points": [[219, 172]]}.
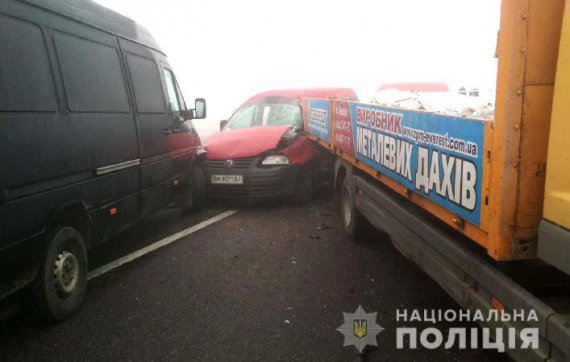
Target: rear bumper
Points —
{"points": [[258, 182]]}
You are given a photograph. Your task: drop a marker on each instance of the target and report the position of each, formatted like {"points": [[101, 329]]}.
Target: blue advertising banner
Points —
{"points": [[437, 156], [319, 118]]}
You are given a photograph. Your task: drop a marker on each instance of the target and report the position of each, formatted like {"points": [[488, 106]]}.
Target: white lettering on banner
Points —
{"points": [[446, 189], [422, 174], [442, 141], [434, 179], [387, 151], [390, 122], [429, 178], [318, 119], [468, 196]]}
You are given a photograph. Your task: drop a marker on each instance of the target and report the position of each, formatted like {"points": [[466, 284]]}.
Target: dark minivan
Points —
{"points": [[94, 136]]}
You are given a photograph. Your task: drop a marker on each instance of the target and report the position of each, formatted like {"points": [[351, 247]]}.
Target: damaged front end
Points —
{"points": [[271, 173]]}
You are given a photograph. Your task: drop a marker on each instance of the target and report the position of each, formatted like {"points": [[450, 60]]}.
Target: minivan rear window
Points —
{"points": [[146, 84], [26, 83], [92, 75]]}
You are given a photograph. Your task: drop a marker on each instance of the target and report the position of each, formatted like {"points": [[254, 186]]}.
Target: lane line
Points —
{"points": [[157, 245]]}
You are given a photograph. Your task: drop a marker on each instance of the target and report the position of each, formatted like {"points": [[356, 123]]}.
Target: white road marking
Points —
{"points": [[159, 244]]}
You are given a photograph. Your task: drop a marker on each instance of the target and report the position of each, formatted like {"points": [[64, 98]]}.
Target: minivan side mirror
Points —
{"points": [[200, 108], [199, 111], [223, 124]]}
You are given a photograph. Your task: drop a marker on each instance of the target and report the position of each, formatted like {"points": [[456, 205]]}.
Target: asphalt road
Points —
{"points": [[268, 283]]}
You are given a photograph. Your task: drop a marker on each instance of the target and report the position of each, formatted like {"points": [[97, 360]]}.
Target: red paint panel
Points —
{"points": [[300, 151], [247, 142], [343, 128]]}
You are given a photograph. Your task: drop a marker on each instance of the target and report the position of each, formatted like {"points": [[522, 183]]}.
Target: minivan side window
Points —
{"points": [[92, 75], [146, 84], [171, 90], [26, 83]]}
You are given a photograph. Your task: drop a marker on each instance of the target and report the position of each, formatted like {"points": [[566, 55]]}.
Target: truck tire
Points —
{"points": [[59, 288], [352, 220]]}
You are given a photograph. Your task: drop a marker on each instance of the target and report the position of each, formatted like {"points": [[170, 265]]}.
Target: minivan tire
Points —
{"points": [[305, 186], [199, 191], [59, 288]]}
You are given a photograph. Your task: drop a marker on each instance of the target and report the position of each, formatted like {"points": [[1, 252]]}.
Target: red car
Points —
{"points": [[261, 150]]}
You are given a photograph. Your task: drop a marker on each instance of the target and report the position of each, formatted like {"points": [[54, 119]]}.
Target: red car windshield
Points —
{"points": [[266, 114]]}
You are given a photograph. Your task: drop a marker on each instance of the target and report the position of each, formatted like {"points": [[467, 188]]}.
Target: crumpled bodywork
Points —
{"points": [[250, 142], [299, 152], [247, 142]]}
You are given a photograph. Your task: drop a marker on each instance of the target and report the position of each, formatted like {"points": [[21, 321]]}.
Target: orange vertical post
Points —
{"points": [[528, 42]]}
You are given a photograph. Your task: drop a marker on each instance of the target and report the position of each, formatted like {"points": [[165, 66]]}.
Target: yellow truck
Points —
{"points": [[481, 205]]}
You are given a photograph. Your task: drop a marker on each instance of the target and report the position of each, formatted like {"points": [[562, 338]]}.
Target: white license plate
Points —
{"points": [[227, 179]]}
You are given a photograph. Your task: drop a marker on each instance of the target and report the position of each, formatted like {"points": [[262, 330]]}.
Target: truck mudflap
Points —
{"points": [[473, 282]]}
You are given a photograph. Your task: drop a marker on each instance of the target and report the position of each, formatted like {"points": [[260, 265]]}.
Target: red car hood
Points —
{"points": [[247, 142]]}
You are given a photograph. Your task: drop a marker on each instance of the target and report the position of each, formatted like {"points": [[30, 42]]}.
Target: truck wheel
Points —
{"points": [[198, 188], [352, 220], [60, 286], [304, 187]]}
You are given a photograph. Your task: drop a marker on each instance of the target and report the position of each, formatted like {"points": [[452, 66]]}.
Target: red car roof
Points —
{"points": [[417, 86], [299, 94]]}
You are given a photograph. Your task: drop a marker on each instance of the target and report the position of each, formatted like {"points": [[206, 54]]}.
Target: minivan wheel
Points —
{"points": [[304, 187], [60, 285], [198, 188]]}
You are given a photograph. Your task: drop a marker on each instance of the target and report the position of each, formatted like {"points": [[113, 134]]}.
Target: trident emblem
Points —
{"points": [[360, 328]]}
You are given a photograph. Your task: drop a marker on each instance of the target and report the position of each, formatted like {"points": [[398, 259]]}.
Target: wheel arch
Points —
{"points": [[342, 171], [73, 214]]}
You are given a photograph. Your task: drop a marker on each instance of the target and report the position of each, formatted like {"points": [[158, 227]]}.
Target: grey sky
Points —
{"points": [[227, 50]]}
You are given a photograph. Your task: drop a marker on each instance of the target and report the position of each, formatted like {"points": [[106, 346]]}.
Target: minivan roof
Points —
{"points": [[98, 16], [299, 94]]}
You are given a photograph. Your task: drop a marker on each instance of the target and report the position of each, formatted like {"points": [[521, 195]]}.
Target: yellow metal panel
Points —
{"points": [[534, 136], [530, 31], [544, 23], [557, 199], [506, 138], [486, 179]]}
